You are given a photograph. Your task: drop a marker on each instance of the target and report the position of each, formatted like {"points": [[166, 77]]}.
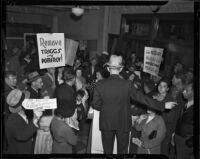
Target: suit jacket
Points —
{"points": [[19, 135], [112, 98], [34, 94], [185, 123], [157, 124]]}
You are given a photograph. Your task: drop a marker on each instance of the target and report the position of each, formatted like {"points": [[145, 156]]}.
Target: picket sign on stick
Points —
{"points": [[40, 104], [71, 47], [51, 50], [152, 60]]}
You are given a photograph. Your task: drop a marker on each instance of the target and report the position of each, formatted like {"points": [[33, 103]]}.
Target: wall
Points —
{"points": [[85, 28], [170, 7]]}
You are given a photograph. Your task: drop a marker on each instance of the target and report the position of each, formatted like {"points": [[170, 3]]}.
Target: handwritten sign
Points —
{"points": [[40, 104], [152, 60], [71, 47], [51, 49]]}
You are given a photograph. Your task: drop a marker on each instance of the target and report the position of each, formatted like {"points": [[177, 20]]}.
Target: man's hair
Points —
{"points": [[10, 73], [68, 74]]}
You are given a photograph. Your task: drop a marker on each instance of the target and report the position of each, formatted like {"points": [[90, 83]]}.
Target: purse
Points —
{"points": [[152, 135]]}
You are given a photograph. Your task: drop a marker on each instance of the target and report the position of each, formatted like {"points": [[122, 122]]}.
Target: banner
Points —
{"points": [[96, 146], [51, 50], [152, 60], [40, 104], [71, 47]]}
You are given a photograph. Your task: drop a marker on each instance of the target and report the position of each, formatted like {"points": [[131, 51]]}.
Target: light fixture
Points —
{"points": [[77, 11]]}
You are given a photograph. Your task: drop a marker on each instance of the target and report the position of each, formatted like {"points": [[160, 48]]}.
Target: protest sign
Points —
{"points": [[71, 47], [51, 49], [40, 104], [96, 146], [152, 60]]}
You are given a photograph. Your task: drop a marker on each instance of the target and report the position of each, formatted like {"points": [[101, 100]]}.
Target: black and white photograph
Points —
{"points": [[100, 79]]}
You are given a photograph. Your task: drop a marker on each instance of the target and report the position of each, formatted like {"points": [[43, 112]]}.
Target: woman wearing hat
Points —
{"points": [[153, 129], [19, 129]]}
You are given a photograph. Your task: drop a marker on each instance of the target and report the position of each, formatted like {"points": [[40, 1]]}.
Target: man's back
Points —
{"points": [[114, 104]]}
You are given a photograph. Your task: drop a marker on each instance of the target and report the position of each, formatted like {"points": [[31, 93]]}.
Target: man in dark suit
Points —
{"points": [[184, 127], [90, 72], [112, 98], [35, 81]]}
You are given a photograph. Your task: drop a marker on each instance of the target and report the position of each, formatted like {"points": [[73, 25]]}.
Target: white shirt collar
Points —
{"points": [[23, 116], [149, 118]]}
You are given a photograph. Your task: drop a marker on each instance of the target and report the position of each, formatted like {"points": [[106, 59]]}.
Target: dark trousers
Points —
{"points": [[108, 138], [182, 150]]}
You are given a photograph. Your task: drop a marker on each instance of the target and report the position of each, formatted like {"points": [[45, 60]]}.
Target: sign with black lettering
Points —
{"points": [[51, 49], [152, 60]]}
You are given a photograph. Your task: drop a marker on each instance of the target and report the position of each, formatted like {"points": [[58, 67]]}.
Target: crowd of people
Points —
{"points": [[157, 110]]}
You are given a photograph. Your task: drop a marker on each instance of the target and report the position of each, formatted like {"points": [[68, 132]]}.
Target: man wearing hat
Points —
{"points": [[112, 98], [19, 129], [35, 81]]}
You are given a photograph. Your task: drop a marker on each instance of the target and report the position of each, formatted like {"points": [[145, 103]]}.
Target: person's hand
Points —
{"points": [[90, 114], [137, 141], [37, 114], [170, 105]]}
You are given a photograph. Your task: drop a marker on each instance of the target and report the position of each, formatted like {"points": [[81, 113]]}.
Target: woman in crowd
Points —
{"points": [[64, 136], [153, 130], [79, 76], [169, 116], [20, 130]]}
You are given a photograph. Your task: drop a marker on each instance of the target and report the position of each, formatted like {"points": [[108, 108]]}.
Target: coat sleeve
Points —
{"points": [[25, 132], [97, 101], [140, 97], [161, 130], [70, 136]]}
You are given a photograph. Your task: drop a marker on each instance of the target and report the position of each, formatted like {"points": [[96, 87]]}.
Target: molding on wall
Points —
{"points": [[170, 7]]}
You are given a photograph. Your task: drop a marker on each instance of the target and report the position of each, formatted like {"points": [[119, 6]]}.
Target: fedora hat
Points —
{"points": [[15, 99], [33, 76], [115, 62]]}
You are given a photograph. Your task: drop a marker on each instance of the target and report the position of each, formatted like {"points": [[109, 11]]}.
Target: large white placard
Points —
{"points": [[152, 60], [71, 47], [51, 49], [40, 104], [96, 146]]}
